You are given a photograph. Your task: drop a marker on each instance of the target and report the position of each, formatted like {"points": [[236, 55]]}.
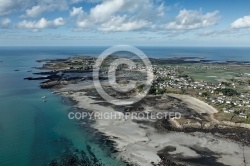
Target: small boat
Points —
{"points": [[44, 97]]}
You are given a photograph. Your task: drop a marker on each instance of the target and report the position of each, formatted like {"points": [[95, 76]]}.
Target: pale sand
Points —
{"points": [[202, 107], [196, 104], [139, 144]]}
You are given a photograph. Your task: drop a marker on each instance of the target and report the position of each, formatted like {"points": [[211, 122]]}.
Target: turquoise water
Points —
{"points": [[32, 132]]}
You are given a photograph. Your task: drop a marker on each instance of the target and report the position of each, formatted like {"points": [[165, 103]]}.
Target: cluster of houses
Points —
{"points": [[241, 114], [170, 77]]}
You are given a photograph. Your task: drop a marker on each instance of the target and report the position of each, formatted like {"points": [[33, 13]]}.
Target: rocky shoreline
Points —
{"points": [[151, 142], [164, 160]]}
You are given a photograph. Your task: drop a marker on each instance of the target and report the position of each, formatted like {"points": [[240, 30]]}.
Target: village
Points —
{"points": [[226, 96]]}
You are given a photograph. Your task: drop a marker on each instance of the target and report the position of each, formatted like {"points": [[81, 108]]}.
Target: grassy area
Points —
{"points": [[213, 74], [231, 117]]}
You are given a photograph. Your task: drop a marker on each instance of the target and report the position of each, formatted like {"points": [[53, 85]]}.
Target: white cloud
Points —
{"points": [[83, 24], [109, 15], [75, 1], [5, 7], [52, 5], [58, 21], [161, 10], [145, 9], [41, 24], [35, 11], [33, 8], [46, 5], [76, 11], [5, 23], [82, 19], [123, 24], [10, 6], [129, 15], [243, 22], [192, 19], [118, 15], [104, 10]]}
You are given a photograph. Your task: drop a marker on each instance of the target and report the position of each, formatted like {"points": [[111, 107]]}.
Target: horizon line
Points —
{"points": [[135, 46]]}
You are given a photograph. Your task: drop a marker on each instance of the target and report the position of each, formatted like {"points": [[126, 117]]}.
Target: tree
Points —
{"points": [[204, 94], [227, 92]]}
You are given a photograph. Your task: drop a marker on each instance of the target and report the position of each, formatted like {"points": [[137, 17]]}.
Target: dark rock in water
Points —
{"points": [[48, 85], [51, 60], [75, 157], [95, 160], [16, 70], [77, 71], [47, 73], [72, 78], [32, 78], [51, 77]]}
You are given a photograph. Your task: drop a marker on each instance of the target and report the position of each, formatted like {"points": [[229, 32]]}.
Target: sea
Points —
{"points": [[34, 133]]}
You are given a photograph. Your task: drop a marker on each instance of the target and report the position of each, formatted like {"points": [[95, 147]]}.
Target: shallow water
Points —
{"points": [[33, 132]]}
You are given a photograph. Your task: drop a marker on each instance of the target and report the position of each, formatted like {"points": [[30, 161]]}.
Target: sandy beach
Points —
{"points": [[140, 143], [195, 104]]}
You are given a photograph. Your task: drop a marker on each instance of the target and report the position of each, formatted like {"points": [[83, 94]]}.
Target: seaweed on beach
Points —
{"points": [[207, 157], [237, 134]]}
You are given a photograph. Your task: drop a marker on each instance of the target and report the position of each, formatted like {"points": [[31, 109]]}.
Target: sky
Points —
{"points": [[224, 23]]}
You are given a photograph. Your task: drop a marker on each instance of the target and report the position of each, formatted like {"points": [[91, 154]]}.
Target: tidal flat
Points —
{"points": [[198, 138]]}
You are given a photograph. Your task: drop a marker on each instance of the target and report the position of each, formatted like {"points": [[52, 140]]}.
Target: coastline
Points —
{"points": [[142, 144], [151, 142]]}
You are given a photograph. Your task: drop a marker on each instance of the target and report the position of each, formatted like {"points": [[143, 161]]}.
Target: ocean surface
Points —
{"points": [[33, 132]]}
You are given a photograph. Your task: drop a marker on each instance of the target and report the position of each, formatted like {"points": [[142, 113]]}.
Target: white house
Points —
{"points": [[242, 115]]}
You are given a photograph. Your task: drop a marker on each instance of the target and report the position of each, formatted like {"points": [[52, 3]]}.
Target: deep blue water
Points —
{"points": [[211, 53], [30, 129]]}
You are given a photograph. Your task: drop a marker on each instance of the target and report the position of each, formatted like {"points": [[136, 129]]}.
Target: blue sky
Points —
{"points": [[133, 22]]}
